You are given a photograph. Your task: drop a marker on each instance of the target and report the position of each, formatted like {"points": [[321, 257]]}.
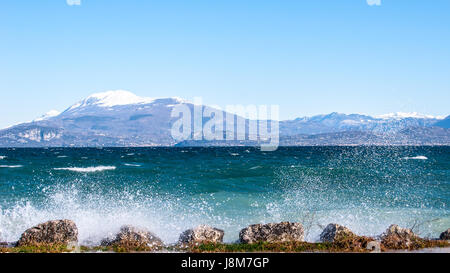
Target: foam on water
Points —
{"points": [[11, 166], [2, 157], [87, 169]]}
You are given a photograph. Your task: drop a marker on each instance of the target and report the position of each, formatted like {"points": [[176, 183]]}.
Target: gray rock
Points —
{"points": [[273, 233], [134, 237], [335, 232], [202, 234], [374, 246], [445, 235], [52, 232], [397, 237]]}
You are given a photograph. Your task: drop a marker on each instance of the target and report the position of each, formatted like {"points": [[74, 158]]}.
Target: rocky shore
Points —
{"points": [[62, 236]]}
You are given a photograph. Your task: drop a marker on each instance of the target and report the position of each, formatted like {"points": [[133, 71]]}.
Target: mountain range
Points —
{"points": [[120, 118]]}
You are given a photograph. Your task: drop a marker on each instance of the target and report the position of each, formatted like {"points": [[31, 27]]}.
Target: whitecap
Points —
{"points": [[234, 154], [419, 157], [132, 165], [87, 169], [11, 166], [62, 156], [2, 157]]}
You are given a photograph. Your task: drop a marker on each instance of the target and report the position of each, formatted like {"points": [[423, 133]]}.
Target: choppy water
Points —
{"points": [[168, 190]]}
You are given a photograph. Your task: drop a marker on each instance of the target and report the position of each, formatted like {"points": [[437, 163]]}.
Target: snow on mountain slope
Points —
{"points": [[111, 99], [49, 114]]}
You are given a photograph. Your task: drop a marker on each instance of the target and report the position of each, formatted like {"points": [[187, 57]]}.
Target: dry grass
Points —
{"points": [[414, 244], [38, 248], [354, 244], [349, 244]]}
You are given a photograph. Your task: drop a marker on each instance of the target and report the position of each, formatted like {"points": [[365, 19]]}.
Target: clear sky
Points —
{"points": [[309, 57]]}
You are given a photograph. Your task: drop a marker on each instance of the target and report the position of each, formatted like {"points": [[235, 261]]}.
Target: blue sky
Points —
{"points": [[309, 57]]}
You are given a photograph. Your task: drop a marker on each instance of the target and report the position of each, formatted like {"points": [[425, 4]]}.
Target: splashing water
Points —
{"points": [[364, 188]]}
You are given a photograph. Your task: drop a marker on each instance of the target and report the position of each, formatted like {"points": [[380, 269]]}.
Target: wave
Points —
{"points": [[11, 166], [419, 157], [62, 156], [2, 157], [87, 169]]}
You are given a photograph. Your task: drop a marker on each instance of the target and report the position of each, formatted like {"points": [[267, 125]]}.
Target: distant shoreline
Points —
{"points": [[213, 146]]}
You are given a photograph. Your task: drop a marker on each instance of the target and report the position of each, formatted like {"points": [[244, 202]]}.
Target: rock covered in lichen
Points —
{"points": [[342, 237], [273, 233], [335, 232], [202, 234], [397, 237], [51, 232], [445, 235], [130, 237], [374, 246]]}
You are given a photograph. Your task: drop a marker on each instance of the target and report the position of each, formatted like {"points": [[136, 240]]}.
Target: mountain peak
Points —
{"points": [[111, 99]]}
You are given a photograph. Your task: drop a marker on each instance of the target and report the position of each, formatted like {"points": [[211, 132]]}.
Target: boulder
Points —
{"points": [[335, 232], [52, 232], [374, 246], [134, 238], [445, 235], [397, 237], [344, 238], [202, 234], [273, 233]]}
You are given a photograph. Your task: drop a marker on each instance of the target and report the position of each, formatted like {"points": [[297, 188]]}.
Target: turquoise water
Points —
{"points": [[168, 190]]}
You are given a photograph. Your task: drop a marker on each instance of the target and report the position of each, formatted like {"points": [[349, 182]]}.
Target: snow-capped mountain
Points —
{"points": [[121, 118], [336, 122], [113, 118]]}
